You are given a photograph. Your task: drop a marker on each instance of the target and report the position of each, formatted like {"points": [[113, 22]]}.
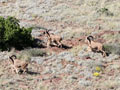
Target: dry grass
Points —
{"points": [[28, 53], [75, 50], [84, 14]]}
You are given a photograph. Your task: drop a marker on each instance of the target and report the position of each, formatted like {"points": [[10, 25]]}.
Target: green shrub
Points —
{"points": [[112, 48], [12, 35], [105, 11], [37, 52], [108, 48]]}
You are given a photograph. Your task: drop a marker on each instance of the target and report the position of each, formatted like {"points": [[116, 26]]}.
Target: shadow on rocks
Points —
{"points": [[66, 47], [33, 73], [63, 46], [38, 43]]}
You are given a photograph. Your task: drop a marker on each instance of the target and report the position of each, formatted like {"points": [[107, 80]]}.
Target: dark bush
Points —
{"points": [[105, 11], [112, 48], [12, 35]]}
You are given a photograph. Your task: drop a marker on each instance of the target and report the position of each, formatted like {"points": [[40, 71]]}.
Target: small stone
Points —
{"points": [[47, 70], [67, 56], [39, 60], [69, 68], [85, 82], [74, 78]]}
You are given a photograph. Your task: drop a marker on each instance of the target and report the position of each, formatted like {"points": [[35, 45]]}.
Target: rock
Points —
{"points": [[84, 82], [112, 57], [26, 24], [67, 56], [39, 60], [52, 57], [47, 70], [116, 66], [82, 54], [76, 71], [4, 55], [88, 74], [92, 55], [36, 32], [72, 78], [59, 66], [69, 68]]}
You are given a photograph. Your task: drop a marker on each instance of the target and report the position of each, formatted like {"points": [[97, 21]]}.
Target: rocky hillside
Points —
{"points": [[71, 67]]}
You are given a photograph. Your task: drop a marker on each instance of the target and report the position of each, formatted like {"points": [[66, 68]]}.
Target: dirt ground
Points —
{"points": [[70, 67]]}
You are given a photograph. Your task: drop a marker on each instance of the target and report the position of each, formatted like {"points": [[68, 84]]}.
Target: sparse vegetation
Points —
{"points": [[28, 53], [75, 50], [108, 48], [105, 11], [112, 48], [72, 68]]}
